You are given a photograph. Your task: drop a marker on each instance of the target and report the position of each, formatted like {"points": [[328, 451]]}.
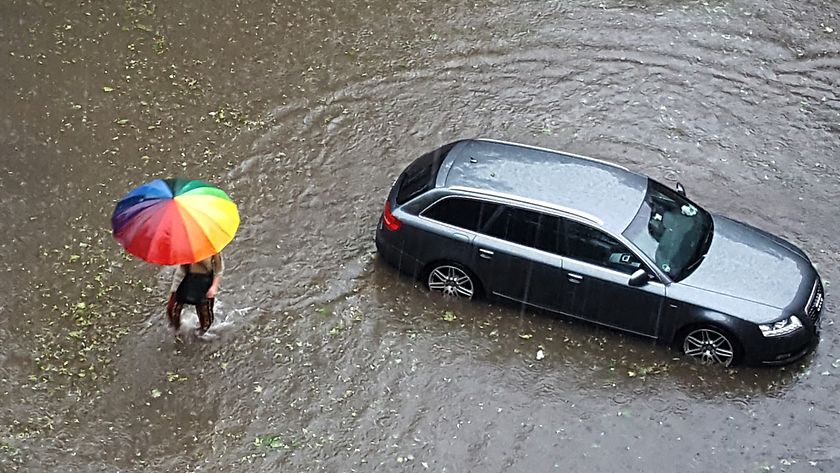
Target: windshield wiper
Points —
{"points": [[702, 250]]}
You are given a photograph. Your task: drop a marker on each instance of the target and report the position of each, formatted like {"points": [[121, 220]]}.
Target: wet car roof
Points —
{"points": [[608, 192]]}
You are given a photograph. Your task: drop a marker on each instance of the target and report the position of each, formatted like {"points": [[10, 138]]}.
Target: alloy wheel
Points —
{"points": [[709, 346], [451, 281]]}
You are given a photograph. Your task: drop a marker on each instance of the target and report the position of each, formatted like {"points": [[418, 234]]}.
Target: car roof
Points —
{"points": [[609, 193]]}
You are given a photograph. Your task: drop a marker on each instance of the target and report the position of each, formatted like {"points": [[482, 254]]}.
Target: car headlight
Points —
{"points": [[782, 327]]}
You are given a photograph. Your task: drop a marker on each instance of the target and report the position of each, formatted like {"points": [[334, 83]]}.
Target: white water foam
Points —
{"points": [[224, 324]]}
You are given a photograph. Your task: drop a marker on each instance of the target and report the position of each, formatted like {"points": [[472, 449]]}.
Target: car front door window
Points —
{"points": [[593, 246], [597, 270]]}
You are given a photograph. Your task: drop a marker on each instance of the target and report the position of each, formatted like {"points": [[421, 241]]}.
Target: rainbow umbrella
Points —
{"points": [[175, 221]]}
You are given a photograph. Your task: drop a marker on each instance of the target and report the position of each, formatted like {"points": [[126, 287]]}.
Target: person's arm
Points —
{"points": [[177, 277], [218, 269]]}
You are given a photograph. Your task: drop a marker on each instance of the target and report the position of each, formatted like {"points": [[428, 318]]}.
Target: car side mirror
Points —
{"points": [[680, 189], [639, 278]]}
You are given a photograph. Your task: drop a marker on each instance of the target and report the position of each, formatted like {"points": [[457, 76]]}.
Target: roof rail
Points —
{"points": [[536, 203], [579, 156]]}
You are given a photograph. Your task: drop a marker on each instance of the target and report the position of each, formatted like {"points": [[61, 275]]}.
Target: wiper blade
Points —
{"points": [[702, 251]]}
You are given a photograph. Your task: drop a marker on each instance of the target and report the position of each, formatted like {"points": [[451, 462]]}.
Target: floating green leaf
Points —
{"points": [[271, 441]]}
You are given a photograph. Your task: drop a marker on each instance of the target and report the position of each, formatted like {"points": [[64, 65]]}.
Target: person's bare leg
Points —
{"points": [[205, 315], [173, 312]]}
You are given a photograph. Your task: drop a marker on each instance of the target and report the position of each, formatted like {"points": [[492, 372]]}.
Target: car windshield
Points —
{"points": [[671, 230]]}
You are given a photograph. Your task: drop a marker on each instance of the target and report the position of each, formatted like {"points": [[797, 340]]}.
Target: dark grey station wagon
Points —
{"points": [[592, 240]]}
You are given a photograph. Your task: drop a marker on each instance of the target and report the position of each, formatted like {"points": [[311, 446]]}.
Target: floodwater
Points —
{"points": [[326, 360]]}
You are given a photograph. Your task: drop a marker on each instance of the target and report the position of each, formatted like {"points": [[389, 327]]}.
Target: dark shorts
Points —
{"points": [[193, 289]]}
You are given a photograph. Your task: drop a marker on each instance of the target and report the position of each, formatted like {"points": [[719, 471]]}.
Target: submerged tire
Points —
{"points": [[452, 280], [711, 346]]}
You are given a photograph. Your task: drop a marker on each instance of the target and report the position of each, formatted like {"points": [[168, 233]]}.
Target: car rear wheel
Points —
{"points": [[710, 346], [451, 280]]}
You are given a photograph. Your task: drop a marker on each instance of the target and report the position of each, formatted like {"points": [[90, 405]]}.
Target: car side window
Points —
{"points": [[593, 246], [469, 214], [528, 228]]}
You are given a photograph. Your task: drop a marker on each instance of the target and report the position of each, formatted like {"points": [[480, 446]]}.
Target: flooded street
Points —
{"points": [[305, 112]]}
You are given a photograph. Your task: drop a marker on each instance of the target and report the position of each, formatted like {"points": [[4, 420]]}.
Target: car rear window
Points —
{"points": [[420, 175]]}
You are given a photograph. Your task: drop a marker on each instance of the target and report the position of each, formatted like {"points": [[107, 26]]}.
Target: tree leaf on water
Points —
{"points": [[272, 441]]}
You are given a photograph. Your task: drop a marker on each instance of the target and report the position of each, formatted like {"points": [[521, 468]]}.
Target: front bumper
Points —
{"points": [[774, 351], [788, 356]]}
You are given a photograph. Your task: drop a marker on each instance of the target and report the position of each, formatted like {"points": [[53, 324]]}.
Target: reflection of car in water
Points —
{"points": [[592, 240]]}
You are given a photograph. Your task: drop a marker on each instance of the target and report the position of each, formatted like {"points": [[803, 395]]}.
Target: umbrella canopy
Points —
{"points": [[175, 221]]}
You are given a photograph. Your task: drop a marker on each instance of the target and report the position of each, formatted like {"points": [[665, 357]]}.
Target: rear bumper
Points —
{"points": [[390, 249]]}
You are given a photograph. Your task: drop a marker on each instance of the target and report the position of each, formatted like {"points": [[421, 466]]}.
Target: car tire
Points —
{"points": [[452, 279], [710, 345]]}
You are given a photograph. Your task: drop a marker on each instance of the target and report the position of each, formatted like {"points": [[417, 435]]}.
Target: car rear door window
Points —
{"points": [[593, 246], [468, 214], [528, 228]]}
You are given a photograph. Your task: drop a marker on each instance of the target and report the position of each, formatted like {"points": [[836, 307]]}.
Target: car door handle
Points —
{"points": [[461, 236], [486, 254], [575, 278]]}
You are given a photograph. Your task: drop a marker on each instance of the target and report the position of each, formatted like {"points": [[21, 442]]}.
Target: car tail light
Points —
{"points": [[388, 218]]}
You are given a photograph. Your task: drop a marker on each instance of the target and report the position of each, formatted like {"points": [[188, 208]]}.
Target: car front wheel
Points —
{"points": [[451, 280], [710, 346]]}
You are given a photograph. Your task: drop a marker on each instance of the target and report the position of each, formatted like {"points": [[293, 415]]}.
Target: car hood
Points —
{"points": [[753, 265]]}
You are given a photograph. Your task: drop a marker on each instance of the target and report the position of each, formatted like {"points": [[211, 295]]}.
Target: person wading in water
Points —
{"points": [[195, 284]]}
